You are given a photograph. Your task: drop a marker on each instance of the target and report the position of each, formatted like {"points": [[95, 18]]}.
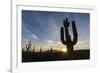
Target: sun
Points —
{"points": [[63, 49]]}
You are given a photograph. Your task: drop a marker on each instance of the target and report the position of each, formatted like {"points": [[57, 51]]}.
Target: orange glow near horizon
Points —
{"points": [[63, 49]]}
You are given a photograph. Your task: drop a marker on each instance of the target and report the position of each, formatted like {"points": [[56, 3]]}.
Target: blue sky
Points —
{"points": [[43, 28]]}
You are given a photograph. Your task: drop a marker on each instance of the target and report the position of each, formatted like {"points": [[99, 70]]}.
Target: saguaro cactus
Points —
{"points": [[28, 46], [66, 38]]}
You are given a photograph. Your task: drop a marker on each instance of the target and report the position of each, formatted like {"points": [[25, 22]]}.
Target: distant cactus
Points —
{"points": [[66, 38], [47, 49], [41, 50], [33, 49], [28, 46], [51, 49]]}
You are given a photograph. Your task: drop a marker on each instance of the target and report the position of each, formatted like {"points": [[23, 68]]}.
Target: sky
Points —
{"points": [[42, 28]]}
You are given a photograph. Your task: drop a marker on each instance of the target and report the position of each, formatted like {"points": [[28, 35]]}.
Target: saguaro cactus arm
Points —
{"points": [[66, 23], [75, 35], [64, 32], [62, 35]]}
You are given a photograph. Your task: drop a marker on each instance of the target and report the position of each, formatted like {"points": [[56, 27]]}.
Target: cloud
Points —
{"points": [[25, 29], [34, 36], [54, 43], [49, 41], [29, 33], [82, 44], [25, 40]]}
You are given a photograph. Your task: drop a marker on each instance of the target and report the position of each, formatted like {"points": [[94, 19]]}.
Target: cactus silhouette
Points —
{"points": [[51, 49], [28, 46], [33, 49], [66, 37], [40, 49]]}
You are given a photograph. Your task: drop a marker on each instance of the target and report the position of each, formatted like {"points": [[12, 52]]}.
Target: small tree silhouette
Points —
{"points": [[28, 46], [66, 38]]}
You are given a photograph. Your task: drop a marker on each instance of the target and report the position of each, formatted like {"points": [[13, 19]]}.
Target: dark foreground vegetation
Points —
{"points": [[54, 56]]}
